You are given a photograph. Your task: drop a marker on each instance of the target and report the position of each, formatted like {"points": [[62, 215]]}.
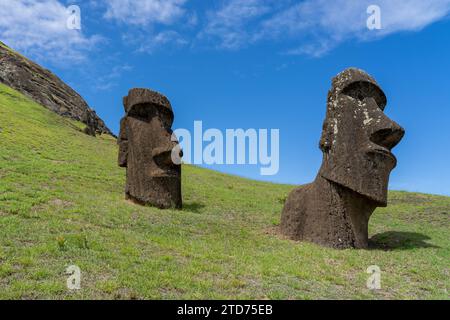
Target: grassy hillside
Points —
{"points": [[61, 203]]}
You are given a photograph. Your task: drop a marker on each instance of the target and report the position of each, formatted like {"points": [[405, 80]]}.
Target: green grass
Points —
{"points": [[61, 203]]}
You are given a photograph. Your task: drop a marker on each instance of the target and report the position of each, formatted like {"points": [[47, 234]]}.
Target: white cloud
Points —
{"points": [[316, 25], [145, 12], [38, 28], [311, 27], [412, 14], [326, 24], [149, 20]]}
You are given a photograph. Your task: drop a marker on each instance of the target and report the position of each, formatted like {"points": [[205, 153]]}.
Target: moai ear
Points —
{"points": [[123, 154], [125, 104], [123, 144]]}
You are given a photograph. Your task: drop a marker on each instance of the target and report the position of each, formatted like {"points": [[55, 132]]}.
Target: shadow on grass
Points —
{"points": [[194, 207], [394, 240]]}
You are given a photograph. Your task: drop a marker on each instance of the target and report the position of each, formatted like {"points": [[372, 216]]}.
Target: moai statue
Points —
{"points": [[148, 150], [356, 142]]}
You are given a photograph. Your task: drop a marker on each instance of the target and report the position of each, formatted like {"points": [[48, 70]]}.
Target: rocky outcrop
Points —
{"points": [[47, 89]]}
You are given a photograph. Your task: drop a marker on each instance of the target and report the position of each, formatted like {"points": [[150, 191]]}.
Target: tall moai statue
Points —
{"points": [[147, 148], [356, 142]]}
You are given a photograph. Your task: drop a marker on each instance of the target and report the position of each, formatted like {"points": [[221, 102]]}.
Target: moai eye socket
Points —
{"points": [[165, 115], [141, 111], [362, 89]]}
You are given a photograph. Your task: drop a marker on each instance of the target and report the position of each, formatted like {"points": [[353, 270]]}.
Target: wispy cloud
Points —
{"points": [[322, 25], [151, 24], [163, 39], [38, 28], [311, 27], [231, 24], [317, 26], [151, 42], [109, 81], [145, 12]]}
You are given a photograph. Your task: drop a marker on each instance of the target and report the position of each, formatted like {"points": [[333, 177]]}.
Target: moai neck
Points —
{"points": [[347, 213]]}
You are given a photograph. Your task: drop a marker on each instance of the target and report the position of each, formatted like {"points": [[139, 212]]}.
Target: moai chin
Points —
{"points": [[146, 148], [356, 142]]}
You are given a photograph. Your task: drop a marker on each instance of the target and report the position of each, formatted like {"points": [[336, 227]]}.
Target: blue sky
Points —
{"points": [[255, 64]]}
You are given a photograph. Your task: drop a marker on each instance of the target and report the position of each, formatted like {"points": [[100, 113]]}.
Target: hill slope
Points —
{"points": [[45, 88], [61, 203]]}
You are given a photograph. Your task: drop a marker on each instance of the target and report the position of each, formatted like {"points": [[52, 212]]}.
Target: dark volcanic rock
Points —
{"points": [[356, 142], [47, 89], [146, 146]]}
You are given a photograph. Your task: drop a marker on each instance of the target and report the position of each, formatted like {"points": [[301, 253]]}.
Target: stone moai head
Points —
{"points": [[358, 137], [156, 111], [147, 148]]}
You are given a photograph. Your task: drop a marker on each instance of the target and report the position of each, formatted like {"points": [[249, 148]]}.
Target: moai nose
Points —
{"points": [[163, 156], [388, 135]]}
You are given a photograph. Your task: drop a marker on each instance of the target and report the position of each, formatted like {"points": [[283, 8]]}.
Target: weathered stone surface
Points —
{"points": [[356, 142], [145, 149], [47, 89]]}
